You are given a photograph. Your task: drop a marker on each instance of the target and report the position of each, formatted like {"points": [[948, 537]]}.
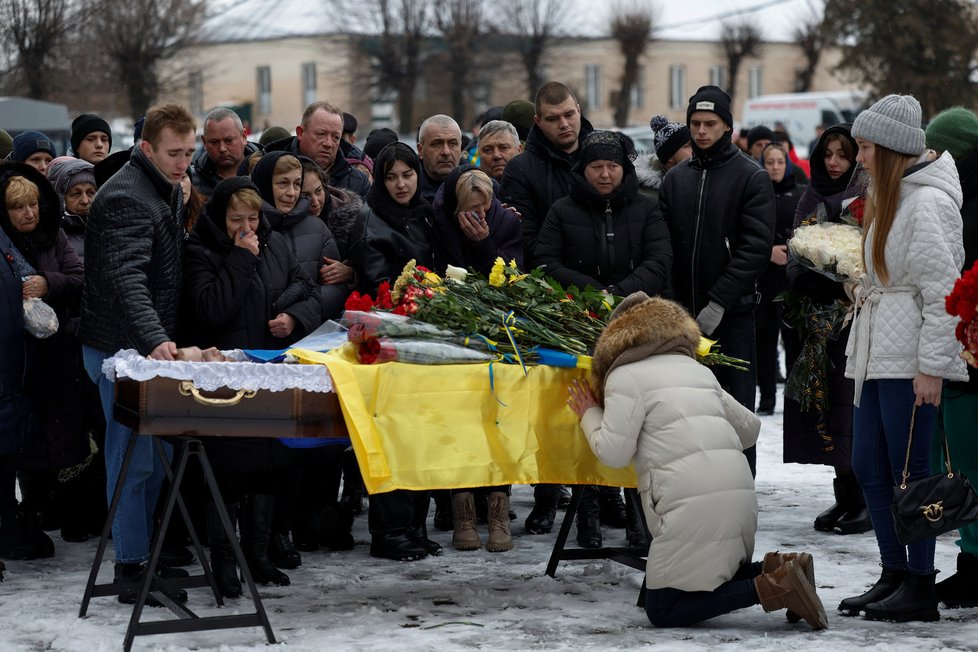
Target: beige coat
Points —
{"points": [[666, 414]]}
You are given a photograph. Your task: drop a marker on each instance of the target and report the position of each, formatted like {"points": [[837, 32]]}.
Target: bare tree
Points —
{"points": [[534, 24], [809, 34], [139, 35], [33, 30], [738, 41], [460, 23], [632, 25]]}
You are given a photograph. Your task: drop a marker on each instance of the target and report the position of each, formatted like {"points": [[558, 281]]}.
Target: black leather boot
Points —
{"points": [[825, 522], [856, 519], [588, 518], [337, 527], [222, 554], [389, 519], [443, 520], [135, 573], [282, 552], [612, 507], [420, 501], [256, 533], [888, 582], [914, 600], [636, 533], [961, 589], [540, 520]]}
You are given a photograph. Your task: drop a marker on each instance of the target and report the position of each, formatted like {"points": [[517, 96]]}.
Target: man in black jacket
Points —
{"points": [[320, 137], [225, 147], [133, 250], [541, 175], [720, 208]]}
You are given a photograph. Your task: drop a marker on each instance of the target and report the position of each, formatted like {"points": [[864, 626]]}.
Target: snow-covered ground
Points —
{"points": [[501, 601]]}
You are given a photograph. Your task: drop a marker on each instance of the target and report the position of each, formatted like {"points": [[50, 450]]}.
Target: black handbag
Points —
{"points": [[932, 505]]}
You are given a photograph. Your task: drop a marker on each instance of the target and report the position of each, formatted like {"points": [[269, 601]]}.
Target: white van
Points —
{"points": [[800, 113]]}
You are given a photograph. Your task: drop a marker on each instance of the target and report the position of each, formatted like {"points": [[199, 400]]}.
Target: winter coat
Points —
{"points": [[720, 209], [341, 173], [968, 174], [650, 173], [386, 236], [618, 243], [74, 227], [536, 178], [902, 328], [452, 247], [204, 175], [15, 411], [54, 371], [339, 214], [133, 246], [429, 186], [773, 281], [668, 416]]}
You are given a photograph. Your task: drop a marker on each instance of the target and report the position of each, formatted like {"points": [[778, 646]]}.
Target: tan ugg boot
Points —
{"points": [[500, 538], [786, 587], [463, 510], [774, 559]]}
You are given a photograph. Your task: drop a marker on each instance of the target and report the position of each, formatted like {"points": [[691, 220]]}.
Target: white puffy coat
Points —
{"points": [[667, 415], [903, 328]]}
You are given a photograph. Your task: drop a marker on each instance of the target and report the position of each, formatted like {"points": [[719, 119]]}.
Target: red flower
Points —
{"points": [[356, 301], [384, 301], [367, 353], [858, 208]]}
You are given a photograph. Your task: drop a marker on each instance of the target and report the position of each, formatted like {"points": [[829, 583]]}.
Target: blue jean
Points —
{"points": [[737, 338], [880, 430], [670, 607], [132, 526]]}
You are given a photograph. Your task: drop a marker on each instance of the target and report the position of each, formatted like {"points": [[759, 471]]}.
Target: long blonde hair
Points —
{"points": [[881, 204]]}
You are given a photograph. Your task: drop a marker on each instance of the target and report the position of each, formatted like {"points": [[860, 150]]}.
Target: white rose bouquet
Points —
{"points": [[832, 249]]}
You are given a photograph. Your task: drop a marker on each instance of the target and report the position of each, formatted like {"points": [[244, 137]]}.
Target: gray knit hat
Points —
{"points": [[893, 123], [66, 172]]}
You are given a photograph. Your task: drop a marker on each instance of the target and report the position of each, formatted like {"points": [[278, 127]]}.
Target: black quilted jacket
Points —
{"points": [[133, 246]]}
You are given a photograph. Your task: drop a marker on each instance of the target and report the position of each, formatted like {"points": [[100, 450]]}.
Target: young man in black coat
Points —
{"points": [[720, 208]]}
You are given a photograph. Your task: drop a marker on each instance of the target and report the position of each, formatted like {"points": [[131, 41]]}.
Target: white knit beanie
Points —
{"points": [[894, 123]]}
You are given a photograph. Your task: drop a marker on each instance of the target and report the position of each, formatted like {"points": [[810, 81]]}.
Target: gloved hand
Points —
{"points": [[709, 318]]}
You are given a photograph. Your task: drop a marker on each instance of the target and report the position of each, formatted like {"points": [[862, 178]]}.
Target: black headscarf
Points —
{"points": [[213, 230], [380, 200], [820, 179]]}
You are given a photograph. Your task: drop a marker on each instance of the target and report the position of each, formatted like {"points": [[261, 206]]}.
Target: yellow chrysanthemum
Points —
{"points": [[497, 276], [431, 279], [402, 281], [512, 263]]}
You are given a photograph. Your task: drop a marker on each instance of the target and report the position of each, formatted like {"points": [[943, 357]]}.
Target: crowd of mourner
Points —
{"points": [[237, 244]]}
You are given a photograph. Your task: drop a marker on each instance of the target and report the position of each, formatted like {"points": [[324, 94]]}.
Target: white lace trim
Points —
{"points": [[210, 376]]}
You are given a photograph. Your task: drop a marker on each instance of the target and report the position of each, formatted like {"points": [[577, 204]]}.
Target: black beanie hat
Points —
{"points": [[759, 133], [85, 124], [668, 138], [349, 123], [710, 98], [603, 145], [377, 140]]}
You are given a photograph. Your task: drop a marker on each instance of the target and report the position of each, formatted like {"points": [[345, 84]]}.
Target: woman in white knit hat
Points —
{"points": [[902, 346]]}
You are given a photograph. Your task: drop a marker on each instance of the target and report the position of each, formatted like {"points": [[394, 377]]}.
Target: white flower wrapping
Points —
{"points": [[832, 249]]}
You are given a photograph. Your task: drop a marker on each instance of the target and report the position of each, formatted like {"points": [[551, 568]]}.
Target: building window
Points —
{"points": [[308, 83], [592, 85], [264, 90], [755, 81], [197, 92], [717, 77], [677, 87], [637, 97]]}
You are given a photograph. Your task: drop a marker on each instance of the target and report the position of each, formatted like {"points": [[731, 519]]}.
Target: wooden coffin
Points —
{"points": [[163, 406]]}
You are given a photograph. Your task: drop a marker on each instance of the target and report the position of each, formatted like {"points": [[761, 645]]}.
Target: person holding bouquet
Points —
{"points": [[902, 346], [812, 436]]}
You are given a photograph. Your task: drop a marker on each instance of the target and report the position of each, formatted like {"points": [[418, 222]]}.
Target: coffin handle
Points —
{"points": [[187, 389]]}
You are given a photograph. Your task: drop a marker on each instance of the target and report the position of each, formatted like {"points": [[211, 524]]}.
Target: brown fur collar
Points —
{"points": [[651, 327]]}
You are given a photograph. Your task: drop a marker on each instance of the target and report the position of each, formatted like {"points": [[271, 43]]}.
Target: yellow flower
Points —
{"points": [[430, 278], [496, 276], [407, 274], [517, 279], [704, 347], [512, 263]]}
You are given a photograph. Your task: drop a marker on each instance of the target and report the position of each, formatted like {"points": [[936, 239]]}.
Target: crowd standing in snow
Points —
{"points": [[254, 244]]}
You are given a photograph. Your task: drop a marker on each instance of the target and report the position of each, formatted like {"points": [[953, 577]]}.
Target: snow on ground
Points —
{"points": [[501, 601]]}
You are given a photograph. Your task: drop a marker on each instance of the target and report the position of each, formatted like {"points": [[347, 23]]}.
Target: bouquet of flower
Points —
{"points": [[854, 198], [963, 303], [386, 349], [832, 249]]}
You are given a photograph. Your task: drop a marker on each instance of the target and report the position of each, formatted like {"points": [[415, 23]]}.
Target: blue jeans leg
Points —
{"points": [[881, 428], [670, 607], [737, 338], [132, 526]]}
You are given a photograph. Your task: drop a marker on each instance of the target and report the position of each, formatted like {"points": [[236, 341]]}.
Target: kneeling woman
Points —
{"points": [[659, 409], [244, 289]]}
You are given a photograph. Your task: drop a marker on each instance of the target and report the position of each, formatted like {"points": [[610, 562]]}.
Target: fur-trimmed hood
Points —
{"points": [[641, 327], [650, 172]]}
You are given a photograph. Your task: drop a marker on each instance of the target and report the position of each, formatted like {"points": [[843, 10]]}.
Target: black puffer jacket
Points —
{"points": [[233, 294], [340, 214], [204, 175], [341, 173], [384, 241], [15, 412], [133, 248], [719, 206], [617, 243], [535, 179], [786, 195]]}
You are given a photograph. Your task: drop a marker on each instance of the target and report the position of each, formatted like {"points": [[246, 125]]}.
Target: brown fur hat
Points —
{"points": [[641, 326]]}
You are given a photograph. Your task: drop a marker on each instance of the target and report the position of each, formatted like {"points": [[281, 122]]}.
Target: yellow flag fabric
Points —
{"points": [[466, 425]]}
